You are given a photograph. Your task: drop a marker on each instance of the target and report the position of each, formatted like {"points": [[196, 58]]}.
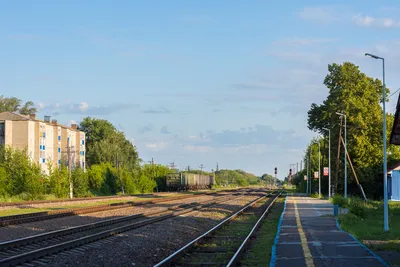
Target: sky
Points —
{"points": [[194, 82]]}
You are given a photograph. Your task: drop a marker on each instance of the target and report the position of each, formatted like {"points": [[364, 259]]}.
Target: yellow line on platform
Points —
{"points": [[303, 238]]}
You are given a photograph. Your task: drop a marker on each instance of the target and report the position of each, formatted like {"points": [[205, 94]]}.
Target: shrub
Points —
{"points": [[357, 207], [316, 195], [80, 182], [339, 200]]}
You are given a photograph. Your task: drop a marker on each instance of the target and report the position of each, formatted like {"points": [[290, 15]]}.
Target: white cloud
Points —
{"points": [[367, 21], [321, 14], [202, 149], [83, 106], [71, 122], [40, 105], [304, 41], [157, 146]]}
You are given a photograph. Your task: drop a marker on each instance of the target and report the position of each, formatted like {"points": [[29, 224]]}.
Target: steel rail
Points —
{"points": [[40, 216], [246, 241], [182, 250], [38, 253], [81, 228]]}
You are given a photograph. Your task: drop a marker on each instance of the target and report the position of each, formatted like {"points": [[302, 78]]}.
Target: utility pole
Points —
{"points": [[217, 167], [71, 188], [337, 159], [118, 173], [154, 172], [172, 165]]}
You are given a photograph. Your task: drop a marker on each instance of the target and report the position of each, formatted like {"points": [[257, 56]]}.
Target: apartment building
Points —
{"points": [[45, 140]]}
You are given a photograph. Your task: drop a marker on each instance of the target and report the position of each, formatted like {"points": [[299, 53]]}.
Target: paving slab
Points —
{"points": [[309, 235]]}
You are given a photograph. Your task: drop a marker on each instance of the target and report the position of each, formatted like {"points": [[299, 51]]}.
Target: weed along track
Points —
{"points": [[27, 249], [224, 244]]}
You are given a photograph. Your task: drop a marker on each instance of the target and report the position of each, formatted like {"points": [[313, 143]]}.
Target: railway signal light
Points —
{"points": [[276, 170], [290, 172]]}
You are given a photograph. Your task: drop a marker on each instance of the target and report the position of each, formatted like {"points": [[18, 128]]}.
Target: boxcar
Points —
{"points": [[188, 181]]}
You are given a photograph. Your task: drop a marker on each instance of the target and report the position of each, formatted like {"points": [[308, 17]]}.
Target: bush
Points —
{"points": [[316, 195], [339, 200], [80, 183], [357, 206]]}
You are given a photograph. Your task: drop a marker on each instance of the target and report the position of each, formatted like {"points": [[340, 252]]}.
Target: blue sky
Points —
{"points": [[194, 82]]}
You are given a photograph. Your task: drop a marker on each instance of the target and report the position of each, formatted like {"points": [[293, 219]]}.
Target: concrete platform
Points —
{"points": [[308, 235]]}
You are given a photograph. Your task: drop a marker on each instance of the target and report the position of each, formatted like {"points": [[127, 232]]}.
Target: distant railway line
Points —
{"points": [[40, 216], [224, 244], [27, 249]]}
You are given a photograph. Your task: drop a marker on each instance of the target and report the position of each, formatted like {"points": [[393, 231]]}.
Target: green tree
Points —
{"points": [[104, 143], [80, 181], [358, 96], [58, 181], [14, 104]]}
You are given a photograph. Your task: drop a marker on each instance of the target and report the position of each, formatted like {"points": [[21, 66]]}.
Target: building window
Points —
{"points": [[44, 160], [2, 133], [41, 147], [59, 149], [59, 161], [83, 164], [44, 135], [59, 138], [44, 147], [83, 142]]}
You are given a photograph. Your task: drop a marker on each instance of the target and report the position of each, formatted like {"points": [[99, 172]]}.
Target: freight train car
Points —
{"points": [[188, 181]]}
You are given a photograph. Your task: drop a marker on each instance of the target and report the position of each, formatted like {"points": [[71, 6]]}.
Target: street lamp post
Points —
{"points": [[345, 152], [319, 168], [329, 164], [385, 189], [308, 173]]}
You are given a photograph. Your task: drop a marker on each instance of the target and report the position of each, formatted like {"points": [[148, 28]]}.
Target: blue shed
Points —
{"points": [[394, 185]]}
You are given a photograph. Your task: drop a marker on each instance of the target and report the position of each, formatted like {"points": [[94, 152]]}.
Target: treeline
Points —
{"points": [[113, 166], [21, 178], [235, 178], [353, 93]]}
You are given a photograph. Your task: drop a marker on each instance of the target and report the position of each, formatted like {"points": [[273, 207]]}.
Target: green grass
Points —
{"points": [[15, 211], [259, 252], [371, 226]]}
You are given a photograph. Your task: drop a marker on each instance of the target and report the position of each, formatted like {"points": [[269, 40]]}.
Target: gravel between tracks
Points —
{"points": [[34, 228], [150, 244], [94, 201]]}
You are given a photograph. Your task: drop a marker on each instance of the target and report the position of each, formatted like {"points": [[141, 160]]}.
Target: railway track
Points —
{"points": [[40, 216], [224, 244], [19, 251]]}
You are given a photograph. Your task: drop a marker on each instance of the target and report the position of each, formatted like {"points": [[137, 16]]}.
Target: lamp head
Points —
{"points": [[370, 55]]}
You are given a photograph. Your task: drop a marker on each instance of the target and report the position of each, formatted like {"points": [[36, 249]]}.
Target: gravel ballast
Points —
{"points": [[150, 244], [28, 229]]}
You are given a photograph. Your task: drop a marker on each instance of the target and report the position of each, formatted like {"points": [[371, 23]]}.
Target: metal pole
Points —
{"points": [[309, 191], [308, 170], [345, 159], [329, 165], [319, 168], [385, 189]]}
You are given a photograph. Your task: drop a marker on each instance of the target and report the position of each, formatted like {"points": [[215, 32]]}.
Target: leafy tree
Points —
{"points": [[14, 104], [58, 181], [79, 178], [358, 96], [105, 144]]}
